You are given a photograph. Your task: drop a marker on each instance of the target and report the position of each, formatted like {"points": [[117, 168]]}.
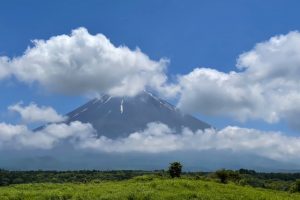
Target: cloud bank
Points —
{"points": [[156, 138], [20, 136]]}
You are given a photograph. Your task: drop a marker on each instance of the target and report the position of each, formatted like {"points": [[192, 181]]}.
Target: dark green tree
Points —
{"points": [[175, 169], [223, 175]]}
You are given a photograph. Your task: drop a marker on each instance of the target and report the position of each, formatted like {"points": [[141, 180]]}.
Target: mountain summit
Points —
{"points": [[116, 117]]}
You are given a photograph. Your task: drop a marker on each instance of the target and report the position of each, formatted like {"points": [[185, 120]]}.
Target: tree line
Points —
{"points": [[276, 181]]}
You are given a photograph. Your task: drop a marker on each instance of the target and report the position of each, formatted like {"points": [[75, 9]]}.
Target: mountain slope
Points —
{"points": [[119, 116]]}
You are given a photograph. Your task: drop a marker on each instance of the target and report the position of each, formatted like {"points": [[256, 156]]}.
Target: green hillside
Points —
{"points": [[143, 187]]}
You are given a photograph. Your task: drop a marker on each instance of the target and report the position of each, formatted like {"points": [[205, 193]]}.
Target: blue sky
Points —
{"points": [[189, 33], [203, 41]]}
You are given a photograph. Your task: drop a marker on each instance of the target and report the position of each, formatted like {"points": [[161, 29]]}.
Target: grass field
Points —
{"points": [[141, 188]]}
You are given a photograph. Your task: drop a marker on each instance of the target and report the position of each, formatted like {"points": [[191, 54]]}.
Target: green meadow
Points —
{"points": [[141, 187]]}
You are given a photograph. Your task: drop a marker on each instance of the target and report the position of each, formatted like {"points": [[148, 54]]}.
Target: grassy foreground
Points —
{"points": [[141, 188]]}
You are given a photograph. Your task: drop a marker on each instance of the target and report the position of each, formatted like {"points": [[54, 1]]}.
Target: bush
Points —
{"points": [[226, 175], [144, 178], [295, 187]]}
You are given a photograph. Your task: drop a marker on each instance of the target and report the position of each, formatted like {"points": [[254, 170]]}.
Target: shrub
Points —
{"points": [[145, 178], [222, 175], [295, 187]]}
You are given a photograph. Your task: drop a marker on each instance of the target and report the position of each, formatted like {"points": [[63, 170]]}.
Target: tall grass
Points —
{"points": [[144, 187]]}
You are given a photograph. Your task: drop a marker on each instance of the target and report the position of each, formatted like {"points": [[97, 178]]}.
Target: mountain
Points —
{"points": [[116, 117]]}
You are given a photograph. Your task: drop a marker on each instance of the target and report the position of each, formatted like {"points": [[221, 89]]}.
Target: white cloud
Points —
{"points": [[156, 138], [19, 136], [267, 87], [33, 113], [9, 131], [82, 63], [4, 69]]}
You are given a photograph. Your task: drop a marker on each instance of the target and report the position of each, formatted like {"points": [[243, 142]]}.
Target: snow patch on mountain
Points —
{"points": [[121, 106], [107, 100], [85, 109]]}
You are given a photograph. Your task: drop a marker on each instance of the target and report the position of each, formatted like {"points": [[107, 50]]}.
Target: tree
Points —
{"points": [[247, 171], [222, 175], [4, 181], [18, 181], [175, 169]]}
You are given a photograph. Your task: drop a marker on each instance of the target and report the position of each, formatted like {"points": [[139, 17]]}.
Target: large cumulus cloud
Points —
{"points": [[82, 64], [265, 86]]}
